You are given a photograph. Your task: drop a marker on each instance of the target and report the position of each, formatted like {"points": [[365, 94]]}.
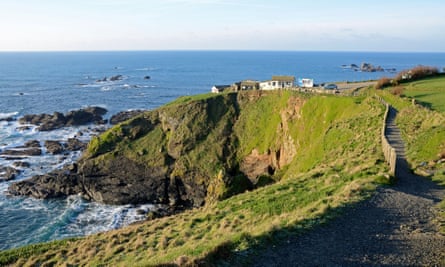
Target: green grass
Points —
{"points": [[338, 161], [429, 92], [423, 128], [257, 126]]}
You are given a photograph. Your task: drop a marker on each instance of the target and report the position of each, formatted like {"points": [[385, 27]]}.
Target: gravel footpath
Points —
{"points": [[393, 228]]}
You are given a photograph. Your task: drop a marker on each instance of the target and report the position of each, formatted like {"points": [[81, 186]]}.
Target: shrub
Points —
{"points": [[416, 73], [398, 91], [383, 82]]}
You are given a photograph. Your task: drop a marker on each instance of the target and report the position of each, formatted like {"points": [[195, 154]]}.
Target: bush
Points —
{"points": [[416, 73], [383, 82], [398, 91]]}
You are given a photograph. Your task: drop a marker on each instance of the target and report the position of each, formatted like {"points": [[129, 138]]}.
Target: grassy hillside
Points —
{"points": [[323, 151], [429, 92], [423, 127], [422, 124]]}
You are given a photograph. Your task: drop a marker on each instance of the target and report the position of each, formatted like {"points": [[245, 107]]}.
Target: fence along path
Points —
{"points": [[394, 149]]}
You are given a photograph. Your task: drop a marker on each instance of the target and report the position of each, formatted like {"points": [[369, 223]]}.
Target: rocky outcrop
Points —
{"points": [[8, 173], [56, 184], [54, 147], [125, 115], [47, 122], [367, 67], [33, 148], [74, 144], [7, 118], [21, 164], [111, 79], [29, 149], [183, 154]]}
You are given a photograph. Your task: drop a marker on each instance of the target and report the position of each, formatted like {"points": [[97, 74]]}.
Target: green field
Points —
{"points": [[429, 92]]}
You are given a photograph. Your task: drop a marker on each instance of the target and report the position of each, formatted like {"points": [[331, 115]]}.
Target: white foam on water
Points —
{"points": [[89, 217], [8, 115], [55, 219], [147, 69]]}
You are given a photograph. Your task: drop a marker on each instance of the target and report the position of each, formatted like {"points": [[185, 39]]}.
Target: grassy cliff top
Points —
{"points": [[326, 153]]}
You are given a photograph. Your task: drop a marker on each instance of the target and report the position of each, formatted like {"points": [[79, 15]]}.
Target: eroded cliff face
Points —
{"points": [[281, 152], [183, 154]]}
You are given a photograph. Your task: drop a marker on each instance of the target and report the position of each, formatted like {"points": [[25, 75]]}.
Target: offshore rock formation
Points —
{"points": [[48, 122], [185, 154], [125, 115]]}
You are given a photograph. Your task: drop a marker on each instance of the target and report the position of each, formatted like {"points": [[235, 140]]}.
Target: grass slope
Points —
{"points": [[423, 128], [338, 161]]}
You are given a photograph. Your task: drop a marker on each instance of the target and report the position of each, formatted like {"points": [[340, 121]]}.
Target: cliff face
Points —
{"points": [[186, 153]]}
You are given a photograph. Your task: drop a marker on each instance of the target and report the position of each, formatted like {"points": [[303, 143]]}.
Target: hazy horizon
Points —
{"points": [[217, 25]]}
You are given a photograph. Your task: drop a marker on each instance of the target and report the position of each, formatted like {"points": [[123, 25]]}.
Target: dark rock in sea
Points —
{"points": [[116, 78], [126, 182], [9, 119], [30, 148], [8, 173], [365, 67], [54, 147], [59, 183], [368, 67], [17, 153], [147, 77], [32, 143], [74, 144], [85, 116], [23, 128], [47, 122], [21, 164], [111, 79], [125, 115]]}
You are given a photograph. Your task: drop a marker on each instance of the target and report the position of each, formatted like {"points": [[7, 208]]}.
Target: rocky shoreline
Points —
{"points": [[147, 159], [19, 155]]}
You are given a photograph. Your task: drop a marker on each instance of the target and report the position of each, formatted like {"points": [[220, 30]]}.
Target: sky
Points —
{"points": [[283, 25]]}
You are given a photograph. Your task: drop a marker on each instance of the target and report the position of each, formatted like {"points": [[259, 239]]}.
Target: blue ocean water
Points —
{"points": [[46, 82]]}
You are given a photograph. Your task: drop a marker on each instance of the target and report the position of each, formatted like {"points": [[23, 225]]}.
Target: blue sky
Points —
{"points": [[318, 25]]}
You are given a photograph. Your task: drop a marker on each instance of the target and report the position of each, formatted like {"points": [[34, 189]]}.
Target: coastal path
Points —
{"points": [[395, 227]]}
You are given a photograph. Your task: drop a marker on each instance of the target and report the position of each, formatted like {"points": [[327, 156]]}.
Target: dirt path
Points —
{"points": [[393, 228]]}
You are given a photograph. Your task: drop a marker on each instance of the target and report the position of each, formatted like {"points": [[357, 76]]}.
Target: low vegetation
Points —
{"points": [[326, 154], [337, 161], [421, 119], [406, 76]]}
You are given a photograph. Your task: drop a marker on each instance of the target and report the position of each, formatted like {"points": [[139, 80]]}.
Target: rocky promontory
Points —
{"points": [[48, 122], [184, 154]]}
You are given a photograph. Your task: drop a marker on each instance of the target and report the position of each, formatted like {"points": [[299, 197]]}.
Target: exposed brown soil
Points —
{"points": [[396, 227]]}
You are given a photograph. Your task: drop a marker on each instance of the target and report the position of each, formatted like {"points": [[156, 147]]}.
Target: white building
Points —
{"points": [[306, 83], [278, 82]]}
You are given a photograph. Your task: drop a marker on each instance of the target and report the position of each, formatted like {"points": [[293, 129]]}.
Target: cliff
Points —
{"points": [[183, 154], [195, 150], [324, 150]]}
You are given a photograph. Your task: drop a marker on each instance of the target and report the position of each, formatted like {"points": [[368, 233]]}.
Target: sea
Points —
{"points": [[46, 82]]}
